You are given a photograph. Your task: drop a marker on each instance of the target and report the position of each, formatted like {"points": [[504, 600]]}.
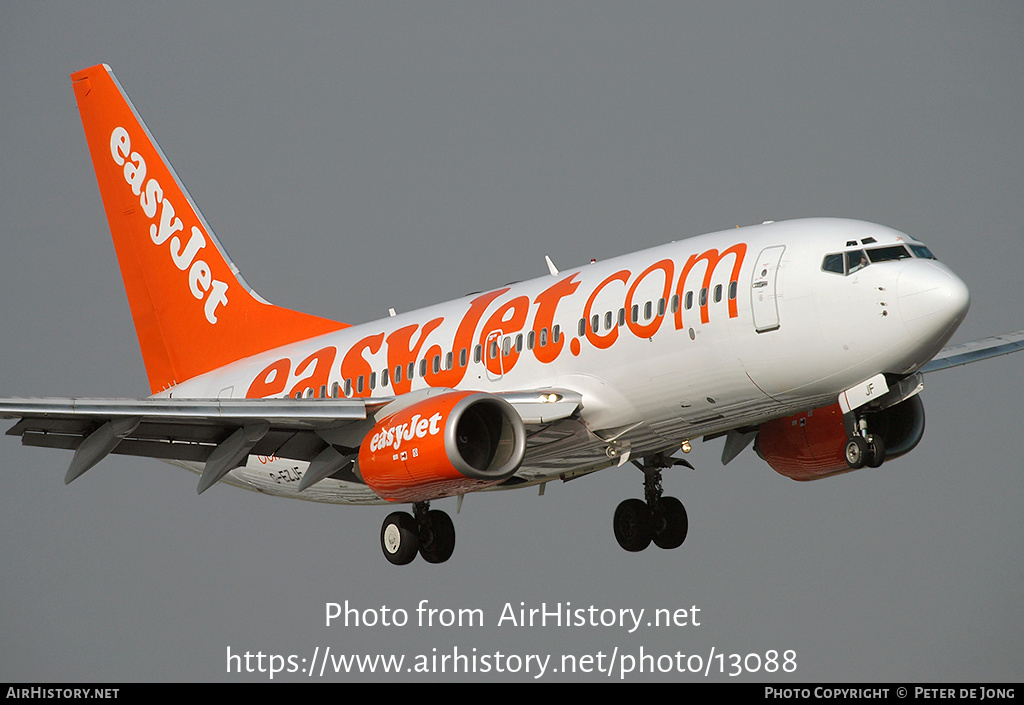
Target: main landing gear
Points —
{"points": [[658, 519], [426, 531], [864, 448]]}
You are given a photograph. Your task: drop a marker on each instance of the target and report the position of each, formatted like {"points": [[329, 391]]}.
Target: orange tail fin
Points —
{"points": [[193, 312]]}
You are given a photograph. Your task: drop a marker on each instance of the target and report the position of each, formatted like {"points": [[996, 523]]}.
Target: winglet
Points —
{"points": [[193, 311]]}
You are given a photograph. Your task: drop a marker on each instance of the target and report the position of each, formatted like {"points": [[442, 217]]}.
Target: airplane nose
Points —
{"points": [[931, 298]]}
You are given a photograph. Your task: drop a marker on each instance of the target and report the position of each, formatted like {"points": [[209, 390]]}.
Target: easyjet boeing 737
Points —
{"points": [[808, 338]]}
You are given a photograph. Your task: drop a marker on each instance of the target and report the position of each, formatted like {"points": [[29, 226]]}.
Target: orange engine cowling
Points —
{"points": [[443, 445], [810, 445]]}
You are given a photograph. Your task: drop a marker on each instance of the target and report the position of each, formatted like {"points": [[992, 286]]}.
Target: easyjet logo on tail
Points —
{"points": [[166, 228]]}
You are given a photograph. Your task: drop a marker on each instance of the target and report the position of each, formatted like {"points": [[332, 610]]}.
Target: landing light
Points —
{"points": [[550, 398], [686, 447]]}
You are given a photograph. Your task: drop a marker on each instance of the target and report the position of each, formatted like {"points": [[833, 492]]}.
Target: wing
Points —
{"points": [[982, 349], [220, 434]]}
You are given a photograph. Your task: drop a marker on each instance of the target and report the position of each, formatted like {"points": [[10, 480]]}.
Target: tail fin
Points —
{"points": [[193, 312]]}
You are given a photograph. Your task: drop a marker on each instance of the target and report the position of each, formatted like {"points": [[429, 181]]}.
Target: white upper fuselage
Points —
{"points": [[686, 339]]}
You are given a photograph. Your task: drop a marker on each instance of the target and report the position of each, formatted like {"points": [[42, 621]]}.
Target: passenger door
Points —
{"points": [[763, 289]]}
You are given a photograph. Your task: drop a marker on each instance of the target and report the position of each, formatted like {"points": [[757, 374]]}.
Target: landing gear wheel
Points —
{"points": [[437, 536], [633, 525], [876, 451], [670, 523], [399, 538], [856, 452]]}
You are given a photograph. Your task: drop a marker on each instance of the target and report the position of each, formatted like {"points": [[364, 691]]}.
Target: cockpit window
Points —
{"points": [[855, 260], [833, 263], [885, 254], [922, 252]]}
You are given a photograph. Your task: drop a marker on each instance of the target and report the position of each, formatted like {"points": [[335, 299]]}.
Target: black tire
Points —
{"points": [[856, 452], [876, 451], [399, 539], [670, 523], [437, 537], [633, 525]]}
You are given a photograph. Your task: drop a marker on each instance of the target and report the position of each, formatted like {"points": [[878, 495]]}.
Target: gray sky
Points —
{"points": [[357, 156]]}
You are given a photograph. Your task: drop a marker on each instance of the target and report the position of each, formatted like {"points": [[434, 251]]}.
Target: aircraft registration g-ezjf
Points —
{"points": [[808, 338]]}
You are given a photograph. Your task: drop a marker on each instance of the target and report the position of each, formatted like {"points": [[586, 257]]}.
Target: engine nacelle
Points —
{"points": [[810, 445], [443, 445]]}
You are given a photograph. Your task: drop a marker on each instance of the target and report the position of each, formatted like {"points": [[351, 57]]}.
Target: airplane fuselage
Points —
{"points": [[687, 339]]}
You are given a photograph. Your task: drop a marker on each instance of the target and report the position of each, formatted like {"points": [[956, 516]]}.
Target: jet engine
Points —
{"points": [[810, 445], [443, 445]]}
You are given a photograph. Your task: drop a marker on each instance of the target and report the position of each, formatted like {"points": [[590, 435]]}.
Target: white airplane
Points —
{"points": [[808, 338]]}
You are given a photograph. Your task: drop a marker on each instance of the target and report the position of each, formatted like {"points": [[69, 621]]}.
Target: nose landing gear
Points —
{"points": [[864, 448]]}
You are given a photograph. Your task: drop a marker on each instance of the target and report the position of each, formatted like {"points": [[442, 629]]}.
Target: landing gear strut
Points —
{"points": [[429, 532], [658, 519], [864, 448]]}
